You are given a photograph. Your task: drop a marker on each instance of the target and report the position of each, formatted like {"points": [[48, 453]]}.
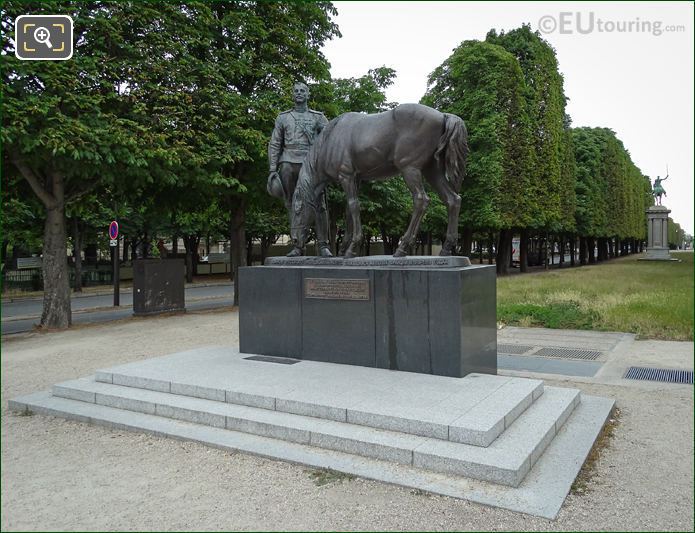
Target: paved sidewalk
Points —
{"points": [[618, 352]]}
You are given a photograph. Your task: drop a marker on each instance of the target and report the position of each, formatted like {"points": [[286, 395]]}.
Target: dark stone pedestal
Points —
{"points": [[158, 286], [419, 314]]}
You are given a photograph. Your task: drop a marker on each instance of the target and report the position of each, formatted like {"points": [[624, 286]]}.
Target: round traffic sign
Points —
{"points": [[113, 230]]}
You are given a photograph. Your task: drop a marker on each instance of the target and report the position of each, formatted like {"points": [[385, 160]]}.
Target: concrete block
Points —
{"points": [[141, 382], [311, 409], [363, 448], [269, 430], [104, 377], [191, 415], [397, 423], [450, 458], [197, 391], [486, 420], [129, 404], [68, 390], [252, 400]]}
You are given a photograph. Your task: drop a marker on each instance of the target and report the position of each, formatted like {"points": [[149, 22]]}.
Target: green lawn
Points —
{"points": [[653, 299]]}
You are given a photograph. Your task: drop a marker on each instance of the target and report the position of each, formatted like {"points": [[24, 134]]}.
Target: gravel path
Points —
{"points": [[62, 475]]}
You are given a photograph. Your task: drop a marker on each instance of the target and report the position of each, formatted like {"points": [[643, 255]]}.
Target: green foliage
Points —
{"points": [[483, 84], [545, 105], [676, 234], [611, 192]]}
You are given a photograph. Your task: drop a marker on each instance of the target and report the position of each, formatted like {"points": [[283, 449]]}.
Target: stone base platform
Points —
{"points": [[433, 315], [501, 441]]}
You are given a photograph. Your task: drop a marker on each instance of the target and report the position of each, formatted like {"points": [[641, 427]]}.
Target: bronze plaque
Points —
{"points": [[336, 289]]}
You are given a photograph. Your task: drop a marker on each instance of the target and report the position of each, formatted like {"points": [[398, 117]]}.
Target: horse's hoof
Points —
{"points": [[325, 252], [400, 253], [445, 253]]}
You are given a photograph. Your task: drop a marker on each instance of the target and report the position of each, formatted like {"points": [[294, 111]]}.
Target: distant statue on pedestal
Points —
{"points": [[658, 190]]}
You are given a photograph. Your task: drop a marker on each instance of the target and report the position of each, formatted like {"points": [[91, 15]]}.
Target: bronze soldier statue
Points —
{"points": [[294, 132]]}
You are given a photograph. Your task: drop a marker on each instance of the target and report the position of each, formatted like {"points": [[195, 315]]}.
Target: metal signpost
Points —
{"points": [[113, 235]]}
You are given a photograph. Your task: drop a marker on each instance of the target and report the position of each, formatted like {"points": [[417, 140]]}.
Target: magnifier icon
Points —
{"points": [[42, 35]]}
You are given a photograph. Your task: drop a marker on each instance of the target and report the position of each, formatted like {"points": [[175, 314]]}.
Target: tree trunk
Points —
{"points": [[479, 244], [523, 250], [591, 244], [174, 245], [582, 250], [504, 251], [237, 240], [77, 253], [563, 242], [611, 249], [57, 312], [50, 189], [573, 248], [466, 241], [490, 244]]}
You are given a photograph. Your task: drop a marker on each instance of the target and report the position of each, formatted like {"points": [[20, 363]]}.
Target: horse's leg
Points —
{"points": [[347, 238], [413, 179], [452, 201], [349, 183], [349, 230]]}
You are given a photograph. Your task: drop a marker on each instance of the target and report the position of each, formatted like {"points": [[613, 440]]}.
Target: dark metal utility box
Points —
{"points": [[158, 286]]}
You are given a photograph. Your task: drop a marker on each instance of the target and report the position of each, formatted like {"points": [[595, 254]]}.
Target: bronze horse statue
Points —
{"points": [[411, 140]]}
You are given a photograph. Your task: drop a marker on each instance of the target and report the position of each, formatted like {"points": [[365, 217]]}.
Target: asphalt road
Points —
{"points": [[23, 315]]}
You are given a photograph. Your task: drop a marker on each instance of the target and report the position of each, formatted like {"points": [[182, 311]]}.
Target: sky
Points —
{"points": [[638, 81]]}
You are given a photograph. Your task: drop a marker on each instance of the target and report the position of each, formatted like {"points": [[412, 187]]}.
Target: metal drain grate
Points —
{"points": [[568, 353], [513, 349], [659, 374], [271, 359]]}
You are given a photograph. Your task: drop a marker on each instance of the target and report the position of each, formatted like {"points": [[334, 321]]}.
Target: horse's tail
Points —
{"points": [[454, 145]]}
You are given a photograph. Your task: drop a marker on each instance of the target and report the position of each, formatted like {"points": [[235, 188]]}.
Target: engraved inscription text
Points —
{"points": [[336, 289]]}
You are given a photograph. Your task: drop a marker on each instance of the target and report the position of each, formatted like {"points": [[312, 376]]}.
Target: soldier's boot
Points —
{"points": [[324, 249], [295, 252]]}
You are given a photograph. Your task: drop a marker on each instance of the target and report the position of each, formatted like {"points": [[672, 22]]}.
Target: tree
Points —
{"points": [[483, 84], [71, 126], [257, 50], [545, 104]]}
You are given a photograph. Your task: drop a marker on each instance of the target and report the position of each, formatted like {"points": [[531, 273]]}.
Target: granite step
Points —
{"points": [[506, 461], [541, 493], [472, 410]]}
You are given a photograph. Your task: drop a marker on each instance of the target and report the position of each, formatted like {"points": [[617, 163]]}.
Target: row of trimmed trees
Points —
{"points": [[529, 172]]}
